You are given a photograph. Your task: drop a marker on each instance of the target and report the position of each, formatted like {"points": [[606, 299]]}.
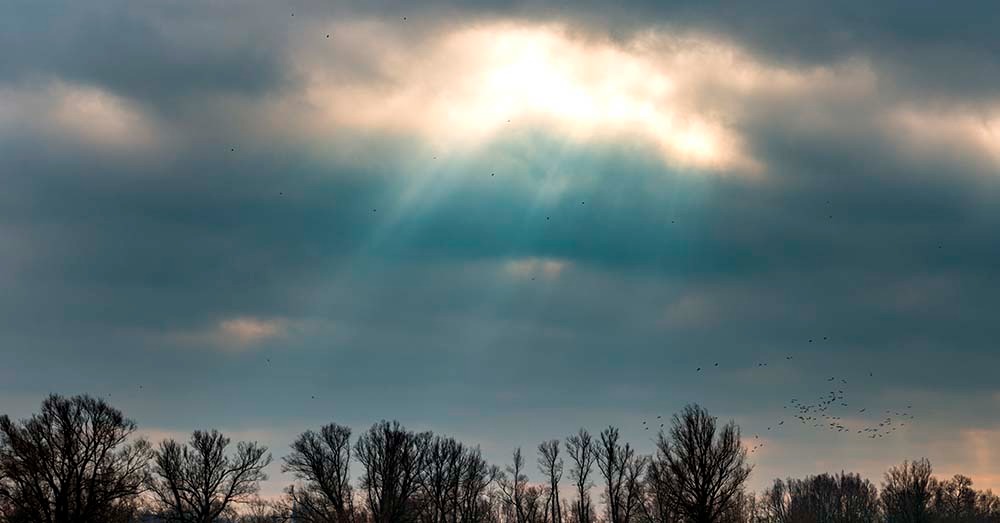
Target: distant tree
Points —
{"points": [[198, 482], [955, 501], [393, 460], [514, 488], [71, 463], [907, 492], [774, 503], [441, 481], [844, 498], [705, 468], [323, 461], [551, 466], [658, 502], [473, 488], [258, 510], [988, 507], [582, 451], [622, 470]]}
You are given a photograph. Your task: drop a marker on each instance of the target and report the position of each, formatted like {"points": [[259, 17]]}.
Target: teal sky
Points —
{"points": [[505, 220]]}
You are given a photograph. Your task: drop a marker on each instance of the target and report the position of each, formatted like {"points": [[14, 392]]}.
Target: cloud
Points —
{"points": [[87, 115], [235, 334]]}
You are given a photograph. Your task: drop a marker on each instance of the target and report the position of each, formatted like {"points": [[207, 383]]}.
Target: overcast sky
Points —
{"points": [[503, 221]]}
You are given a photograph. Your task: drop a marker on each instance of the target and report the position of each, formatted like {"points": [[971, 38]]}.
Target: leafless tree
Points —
{"points": [[513, 487], [582, 452], [622, 470], [705, 468], [774, 503], [842, 498], [955, 501], [906, 492], [441, 481], [473, 488], [71, 463], [551, 466], [197, 482], [658, 505], [393, 459], [323, 461]]}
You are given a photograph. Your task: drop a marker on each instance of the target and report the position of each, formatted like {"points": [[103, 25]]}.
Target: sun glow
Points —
{"points": [[473, 83]]}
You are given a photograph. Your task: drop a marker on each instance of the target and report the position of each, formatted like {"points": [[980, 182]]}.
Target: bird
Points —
{"points": [[698, 369], [716, 364], [328, 36]]}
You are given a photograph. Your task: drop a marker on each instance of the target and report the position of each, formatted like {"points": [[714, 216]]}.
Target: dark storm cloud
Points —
{"points": [[156, 52]]}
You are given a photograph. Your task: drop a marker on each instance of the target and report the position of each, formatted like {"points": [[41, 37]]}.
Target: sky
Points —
{"points": [[503, 221]]}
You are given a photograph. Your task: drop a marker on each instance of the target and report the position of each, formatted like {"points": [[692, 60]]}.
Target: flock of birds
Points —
{"points": [[830, 411]]}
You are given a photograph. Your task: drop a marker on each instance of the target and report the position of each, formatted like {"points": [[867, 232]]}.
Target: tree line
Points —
{"points": [[79, 461]]}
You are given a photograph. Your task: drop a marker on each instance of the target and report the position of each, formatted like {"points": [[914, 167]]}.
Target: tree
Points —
{"points": [[513, 488], [393, 459], [773, 506], [72, 462], [475, 479], [441, 480], [582, 451], [705, 468], [906, 492], [551, 466], [844, 498], [955, 501], [197, 482], [621, 468], [323, 461]]}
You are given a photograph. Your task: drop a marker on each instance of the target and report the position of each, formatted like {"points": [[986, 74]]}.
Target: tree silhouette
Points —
{"points": [[621, 468], [71, 463], [393, 459], [582, 452], [705, 468], [197, 482], [844, 498], [475, 478], [906, 492], [323, 461], [551, 467], [513, 488]]}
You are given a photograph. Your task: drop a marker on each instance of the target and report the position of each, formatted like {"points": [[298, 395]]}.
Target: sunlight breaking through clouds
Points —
{"points": [[472, 83]]}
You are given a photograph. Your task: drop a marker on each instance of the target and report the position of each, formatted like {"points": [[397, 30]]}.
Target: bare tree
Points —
{"points": [[843, 498], [72, 462], [621, 468], [955, 501], [551, 466], [441, 480], [705, 468], [323, 461], [906, 492], [197, 482], [774, 503], [393, 459], [513, 488], [658, 505], [583, 453], [474, 482]]}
